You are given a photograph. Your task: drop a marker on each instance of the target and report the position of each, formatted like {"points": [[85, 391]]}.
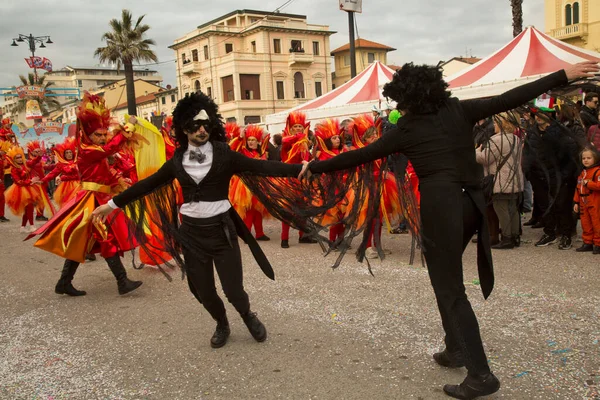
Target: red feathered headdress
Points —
{"points": [[359, 126], [12, 153], [294, 118], [92, 115], [254, 131], [169, 122], [68, 144], [34, 145], [327, 129], [6, 121], [232, 130]]}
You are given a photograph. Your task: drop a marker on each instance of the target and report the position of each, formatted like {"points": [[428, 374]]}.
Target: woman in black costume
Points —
{"points": [[436, 136]]}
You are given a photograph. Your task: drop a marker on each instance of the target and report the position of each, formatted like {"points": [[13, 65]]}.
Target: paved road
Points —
{"points": [[339, 334]]}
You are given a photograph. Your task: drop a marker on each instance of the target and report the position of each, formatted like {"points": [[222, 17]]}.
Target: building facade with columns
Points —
{"points": [[366, 53], [576, 22], [254, 63]]}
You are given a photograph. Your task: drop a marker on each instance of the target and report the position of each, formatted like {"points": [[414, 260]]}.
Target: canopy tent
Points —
{"points": [[354, 97], [527, 57]]}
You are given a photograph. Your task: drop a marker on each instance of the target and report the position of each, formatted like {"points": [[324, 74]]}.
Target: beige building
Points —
{"points": [[576, 22], [162, 101], [91, 78], [457, 64], [254, 63], [366, 52], [115, 93]]}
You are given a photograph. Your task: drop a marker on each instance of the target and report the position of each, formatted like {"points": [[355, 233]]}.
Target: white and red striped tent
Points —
{"points": [[354, 97], [527, 57]]}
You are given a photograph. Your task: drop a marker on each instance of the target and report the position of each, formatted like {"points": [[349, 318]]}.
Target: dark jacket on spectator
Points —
{"points": [[589, 117]]}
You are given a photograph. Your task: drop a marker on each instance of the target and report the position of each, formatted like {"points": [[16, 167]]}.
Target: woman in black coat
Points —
{"points": [[436, 134]]}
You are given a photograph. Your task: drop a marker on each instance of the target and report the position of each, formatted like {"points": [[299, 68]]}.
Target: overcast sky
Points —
{"points": [[423, 31]]}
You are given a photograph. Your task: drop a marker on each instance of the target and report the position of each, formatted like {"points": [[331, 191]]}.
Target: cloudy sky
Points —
{"points": [[424, 31]]}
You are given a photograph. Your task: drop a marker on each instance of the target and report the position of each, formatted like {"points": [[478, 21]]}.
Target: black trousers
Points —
{"points": [[214, 241], [449, 219], [559, 219], [541, 197]]}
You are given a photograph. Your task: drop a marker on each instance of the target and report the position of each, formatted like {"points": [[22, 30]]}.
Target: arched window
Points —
{"points": [[298, 85], [197, 86], [576, 12], [568, 15]]}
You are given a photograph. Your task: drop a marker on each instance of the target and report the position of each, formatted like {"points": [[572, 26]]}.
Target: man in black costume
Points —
{"points": [[204, 164], [436, 134]]}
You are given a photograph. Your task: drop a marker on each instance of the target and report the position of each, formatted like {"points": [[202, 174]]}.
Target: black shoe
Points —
{"points": [[585, 247], [449, 360], [545, 240], [219, 338], [565, 243], [516, 240], [531, 222], [307, 239], [41, 218], [124, 284], [596, 250], [90, 257], [537, 225], [256, 328], [4, 219], [506, 243], [64, 285], [285, 244], [263, 238], [473, 387]]}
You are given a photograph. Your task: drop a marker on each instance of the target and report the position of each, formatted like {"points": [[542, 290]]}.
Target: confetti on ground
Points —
{"points": [[520, 374]]}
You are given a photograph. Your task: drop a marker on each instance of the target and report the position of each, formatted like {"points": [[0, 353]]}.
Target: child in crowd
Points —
{"points": [[587, 200]]}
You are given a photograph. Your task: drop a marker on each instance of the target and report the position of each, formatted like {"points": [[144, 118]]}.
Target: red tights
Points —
{"points": [[255, 218], [28, 215], [285, 232]]}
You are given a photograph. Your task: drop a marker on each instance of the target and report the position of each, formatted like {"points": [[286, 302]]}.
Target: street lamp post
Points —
{"points": [[32, 41]]}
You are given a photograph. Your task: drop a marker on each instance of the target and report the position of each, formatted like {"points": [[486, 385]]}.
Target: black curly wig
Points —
{"points": [[420, 89], [185, 111]]}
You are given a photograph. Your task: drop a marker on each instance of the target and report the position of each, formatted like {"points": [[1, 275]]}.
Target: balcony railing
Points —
{"points": [[190, 67], [570, 31], [300, 58]]}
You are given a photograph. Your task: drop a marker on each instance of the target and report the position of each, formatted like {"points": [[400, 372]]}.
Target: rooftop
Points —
{"points": [[138, 100], [255, 12], [104, 68], [363, 44], [467, 60]]}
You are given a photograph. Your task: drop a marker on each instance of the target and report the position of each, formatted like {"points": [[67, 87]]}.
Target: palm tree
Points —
{"points": [[47, 104], [124, 45], [517, 14]]}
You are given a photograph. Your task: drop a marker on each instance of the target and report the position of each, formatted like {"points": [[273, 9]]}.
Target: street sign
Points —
{"points": [[351, 5]]}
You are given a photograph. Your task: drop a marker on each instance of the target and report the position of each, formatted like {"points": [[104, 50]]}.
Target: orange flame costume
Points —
{"points": [[67, 171], [23, 194]]}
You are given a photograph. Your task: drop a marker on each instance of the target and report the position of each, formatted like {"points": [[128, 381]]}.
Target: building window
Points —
{"points": [[316, 48], [253, 44], [568, 15], [209, 91], [183, 58], [79, 83], [347, 60], [228, 48], [227, 83], [173, 98], [318, 89], [194, 55], [206, 52], [576, 12], [370, 57], [163, 100], [197, 86], [296, 47], [277, 46], [250, 86], [251, 119], [298, 85], [280, 91], [231, 119]]}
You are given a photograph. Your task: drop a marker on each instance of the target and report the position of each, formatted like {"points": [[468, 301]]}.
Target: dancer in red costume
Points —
{"points": [[35, 150], [4, 147], [71, 233], [366, 131], [23, 195], [294, 150], [330, 143], [253, 143], [169, 137], [66, 171]]}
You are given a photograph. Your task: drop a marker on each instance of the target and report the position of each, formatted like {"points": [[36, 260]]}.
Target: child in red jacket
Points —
{"points": [[587, 200]]}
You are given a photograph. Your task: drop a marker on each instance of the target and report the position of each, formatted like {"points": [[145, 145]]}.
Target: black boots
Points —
{"points": [[221, 334], [256, 328], [473, 387], [505, 243], [585, 247], [124, 284], [449, 360], [64, 286]]}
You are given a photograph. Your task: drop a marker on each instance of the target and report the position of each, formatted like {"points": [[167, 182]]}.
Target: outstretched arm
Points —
{"points": [[253, 166], [476, 110]]}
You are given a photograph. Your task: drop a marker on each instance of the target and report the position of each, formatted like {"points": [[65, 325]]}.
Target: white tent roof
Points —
{"points": [[527, 57]]}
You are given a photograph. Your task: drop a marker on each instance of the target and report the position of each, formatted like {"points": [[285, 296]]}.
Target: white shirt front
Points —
{"points": [[198, 171]]}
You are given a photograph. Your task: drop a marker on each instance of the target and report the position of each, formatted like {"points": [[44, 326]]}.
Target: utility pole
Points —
{"points": [[352, 45], [31, 41]]}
